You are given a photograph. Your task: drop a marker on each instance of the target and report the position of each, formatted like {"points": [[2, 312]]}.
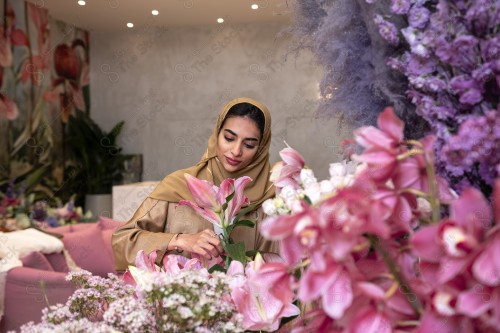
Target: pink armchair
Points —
{"points": [[89, 245]]}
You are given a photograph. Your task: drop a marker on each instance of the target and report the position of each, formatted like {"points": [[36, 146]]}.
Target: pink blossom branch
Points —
{"points": [[396, 272]]}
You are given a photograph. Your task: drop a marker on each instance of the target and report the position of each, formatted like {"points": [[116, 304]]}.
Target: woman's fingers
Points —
{"points": [[214, 240], [205, 243]]}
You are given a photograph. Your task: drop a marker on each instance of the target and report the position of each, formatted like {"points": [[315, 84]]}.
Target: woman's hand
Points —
{"points": [[206, 243]]}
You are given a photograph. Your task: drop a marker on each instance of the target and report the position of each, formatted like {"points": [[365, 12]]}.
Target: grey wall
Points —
{"points": [[169, 84]]}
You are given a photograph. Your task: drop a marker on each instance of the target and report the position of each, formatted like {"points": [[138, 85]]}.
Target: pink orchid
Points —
{"points": [[369, 320], [287, 229], [448, 247], [382, 144], [210, 198], [328, 280], [412, 173]]}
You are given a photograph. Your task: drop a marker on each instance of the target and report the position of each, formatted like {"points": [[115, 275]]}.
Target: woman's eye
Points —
{"points": [[228, 139], [250, 146]]}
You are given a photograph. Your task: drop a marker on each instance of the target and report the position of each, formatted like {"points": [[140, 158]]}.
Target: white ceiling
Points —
{"points": [[114, 14]]}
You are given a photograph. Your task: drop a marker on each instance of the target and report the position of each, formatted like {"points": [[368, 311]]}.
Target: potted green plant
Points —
{"points": [[99, 162]]}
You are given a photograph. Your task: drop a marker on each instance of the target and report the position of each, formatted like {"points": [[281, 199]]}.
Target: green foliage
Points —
{"points": [[98, 157]]}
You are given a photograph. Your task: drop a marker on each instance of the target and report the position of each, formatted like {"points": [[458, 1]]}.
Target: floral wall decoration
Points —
{"points": [[440, 56], [44, 78]]}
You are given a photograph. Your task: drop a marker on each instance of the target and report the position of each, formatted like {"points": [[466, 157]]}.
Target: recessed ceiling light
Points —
{"points": [[255, 6], [81, 3], [130, 25], [220, 20], [155, 12]]}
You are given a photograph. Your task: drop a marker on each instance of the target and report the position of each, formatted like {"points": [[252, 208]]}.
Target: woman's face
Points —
{"points": [[237, 143]]}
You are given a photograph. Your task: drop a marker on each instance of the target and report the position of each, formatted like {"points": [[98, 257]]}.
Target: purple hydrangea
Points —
{"points": [[418, 17], [467, 88], [400, 7], [477, 143], [387, 30], [490, 49]]}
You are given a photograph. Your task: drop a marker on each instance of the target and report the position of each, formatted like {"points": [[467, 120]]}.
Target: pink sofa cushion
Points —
{"points": [[106, 223], [58, 262], [87, 248], [61, 230], [37, 260]]}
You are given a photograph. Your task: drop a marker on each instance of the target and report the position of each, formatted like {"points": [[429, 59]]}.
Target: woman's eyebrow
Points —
{"points": [[231, 132]]}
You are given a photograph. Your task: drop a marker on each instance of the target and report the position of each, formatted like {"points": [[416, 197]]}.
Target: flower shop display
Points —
{"points": [[383, 245]]}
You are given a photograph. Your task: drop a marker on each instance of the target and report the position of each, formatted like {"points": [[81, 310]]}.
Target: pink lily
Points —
{"points": [[146, 262], [174, 264], [143, 262], [239, 199], [261, 310], [210, 198], [203, 191]]}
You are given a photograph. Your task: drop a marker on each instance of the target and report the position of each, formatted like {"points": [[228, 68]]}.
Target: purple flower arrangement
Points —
{"points": [[450, 53]]}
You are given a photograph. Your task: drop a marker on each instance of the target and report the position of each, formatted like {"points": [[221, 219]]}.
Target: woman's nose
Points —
{"points": [[237, 150]]}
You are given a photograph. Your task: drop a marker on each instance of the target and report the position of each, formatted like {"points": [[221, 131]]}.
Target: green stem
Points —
{"points": [[396, 273], [433, 191]]}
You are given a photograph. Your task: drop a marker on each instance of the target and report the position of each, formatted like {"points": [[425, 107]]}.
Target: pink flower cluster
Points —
{"points": [[367, 258]]}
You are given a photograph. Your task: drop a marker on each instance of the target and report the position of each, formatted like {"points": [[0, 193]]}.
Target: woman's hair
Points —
{"points": [[246, 110]]}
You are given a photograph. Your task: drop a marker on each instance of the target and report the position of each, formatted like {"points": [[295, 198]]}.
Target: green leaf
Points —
{"points": [[237, 252], [243, 212], [229, 197], [306, 198], [244, 223], [217, 268]]}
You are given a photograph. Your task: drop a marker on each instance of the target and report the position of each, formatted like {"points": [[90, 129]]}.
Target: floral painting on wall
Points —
{"points": [[44, 78]]}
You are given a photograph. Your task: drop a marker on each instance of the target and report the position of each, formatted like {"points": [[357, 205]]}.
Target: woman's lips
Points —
{"points": [[232, 162]]}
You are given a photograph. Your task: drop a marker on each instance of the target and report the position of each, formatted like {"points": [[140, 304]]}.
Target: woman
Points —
{"points": [[238, 146]]}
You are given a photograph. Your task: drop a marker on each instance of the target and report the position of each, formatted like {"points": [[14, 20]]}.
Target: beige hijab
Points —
{"points": [[173, 187]]}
